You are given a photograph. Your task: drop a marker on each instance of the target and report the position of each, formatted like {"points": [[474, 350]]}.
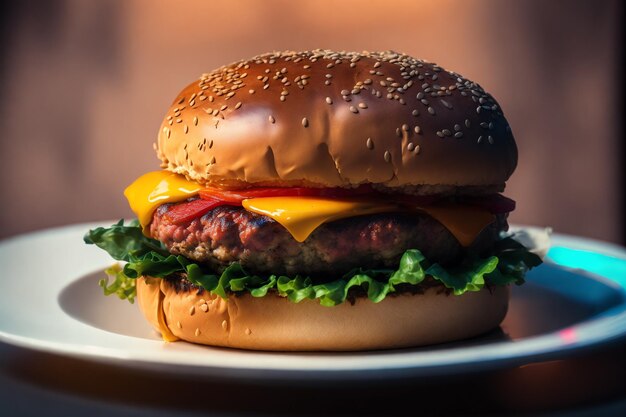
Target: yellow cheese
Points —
{"points": [[464, 222], [302, 215], [155, 188]]}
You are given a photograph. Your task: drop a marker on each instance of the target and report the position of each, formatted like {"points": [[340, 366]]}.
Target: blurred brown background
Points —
{"points": [[84, 85]]}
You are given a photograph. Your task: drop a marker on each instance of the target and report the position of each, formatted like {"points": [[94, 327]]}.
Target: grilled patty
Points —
{"points": [[230, 234]]}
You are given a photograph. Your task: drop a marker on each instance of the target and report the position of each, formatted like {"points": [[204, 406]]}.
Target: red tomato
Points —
{"points": [[187, 211], [237, 196], [494, 203]]}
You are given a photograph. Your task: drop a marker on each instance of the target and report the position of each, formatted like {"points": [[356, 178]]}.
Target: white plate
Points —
{"points": [[50, 301]]}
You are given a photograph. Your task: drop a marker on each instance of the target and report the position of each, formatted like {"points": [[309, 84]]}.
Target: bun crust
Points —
{"points": [[276, 324], [336, 119]]}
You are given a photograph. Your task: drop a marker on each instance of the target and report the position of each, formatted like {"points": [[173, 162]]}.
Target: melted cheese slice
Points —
{"points": [[156, 188], [302, 215], [464, 222]]}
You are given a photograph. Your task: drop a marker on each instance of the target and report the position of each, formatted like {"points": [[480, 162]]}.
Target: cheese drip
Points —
{"points": [[301, 215], [155, 188]]}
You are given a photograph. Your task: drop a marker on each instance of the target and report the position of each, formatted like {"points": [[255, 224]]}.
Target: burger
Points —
{"points": [[323, 200]]}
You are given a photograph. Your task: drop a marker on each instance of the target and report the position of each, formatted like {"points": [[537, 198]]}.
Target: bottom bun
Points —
{"points": [[275, 323]]}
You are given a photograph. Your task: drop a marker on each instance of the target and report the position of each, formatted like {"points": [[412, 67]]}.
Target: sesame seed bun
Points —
{"points": [[275, 323], [337, 119]]}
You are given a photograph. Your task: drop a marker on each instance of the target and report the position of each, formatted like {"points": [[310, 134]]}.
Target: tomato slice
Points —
{"points": [[494, 203], [213, 197], [237, 196], [187, 211]]}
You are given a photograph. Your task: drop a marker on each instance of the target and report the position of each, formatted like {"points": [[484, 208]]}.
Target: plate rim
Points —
{"points": [[105, 355]]}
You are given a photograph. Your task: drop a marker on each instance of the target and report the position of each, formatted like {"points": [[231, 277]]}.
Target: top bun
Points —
{"points": [[337, 119]]}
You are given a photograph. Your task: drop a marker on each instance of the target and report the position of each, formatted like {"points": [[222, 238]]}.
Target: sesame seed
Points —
{"points": [[271, 119], [212, 161], [490, 140], [362, 105], [446, 104], [354, 109], [415, 112], [197, 332], [484, 125], [490, 126], [345, 92], [431, 110], [440, 134], [237, 105], [417, 149], [305, 122], [418, 130], [195, 120], [480, 139], [398, 132], [387, 156], [204, 307], [192, 310], [180, 326], [446, 132], [224, 325], [467, 123], [405, 127], [224, 107], [283, 98], [329, 75], [369, 143], [251, 91], [186, 128], [327, 82], [458, 135], [410, 147]]}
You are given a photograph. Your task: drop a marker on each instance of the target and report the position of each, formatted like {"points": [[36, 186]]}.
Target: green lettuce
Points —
{"points": [[146, 256]]}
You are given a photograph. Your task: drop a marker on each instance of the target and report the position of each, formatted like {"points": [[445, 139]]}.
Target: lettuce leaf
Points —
{"points": [[145, 256]]}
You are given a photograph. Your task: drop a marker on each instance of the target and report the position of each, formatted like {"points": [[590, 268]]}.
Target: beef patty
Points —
{"points": [[230, 234]]}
